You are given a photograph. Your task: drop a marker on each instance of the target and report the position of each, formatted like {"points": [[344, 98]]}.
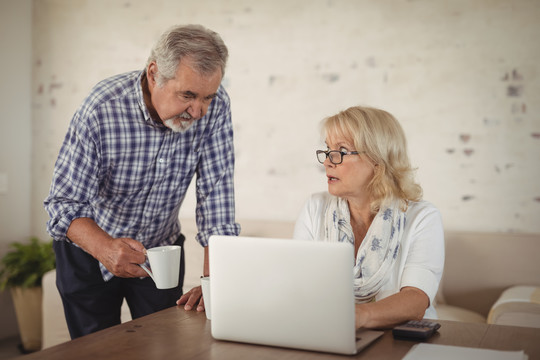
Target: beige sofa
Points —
{"points": [[479, 268]]}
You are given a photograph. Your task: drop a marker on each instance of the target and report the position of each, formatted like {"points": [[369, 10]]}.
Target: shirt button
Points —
{"points": [[162, 160]]}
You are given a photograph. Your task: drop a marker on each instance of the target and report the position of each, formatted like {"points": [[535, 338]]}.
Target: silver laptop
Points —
{"points": [[286, 293]]}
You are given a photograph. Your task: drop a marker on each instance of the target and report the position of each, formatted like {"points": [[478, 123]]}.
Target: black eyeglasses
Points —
{"points": [[335, 156]]}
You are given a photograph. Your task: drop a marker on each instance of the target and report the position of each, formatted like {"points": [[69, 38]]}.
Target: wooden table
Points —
{"points": [[178, 334]]}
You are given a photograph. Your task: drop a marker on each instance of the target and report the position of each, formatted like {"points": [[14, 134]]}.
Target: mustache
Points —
{"points": [[180, 123], [185, 115]]}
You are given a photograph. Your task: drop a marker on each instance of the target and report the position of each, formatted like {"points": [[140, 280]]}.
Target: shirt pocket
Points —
{"points": [[181, 173], [127, 180]]}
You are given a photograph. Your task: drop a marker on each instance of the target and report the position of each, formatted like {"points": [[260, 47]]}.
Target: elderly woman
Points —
{"points": [[374, 204]]}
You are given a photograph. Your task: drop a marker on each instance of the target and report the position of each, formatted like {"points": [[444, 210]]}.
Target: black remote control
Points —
{"points": [[415, 330]]}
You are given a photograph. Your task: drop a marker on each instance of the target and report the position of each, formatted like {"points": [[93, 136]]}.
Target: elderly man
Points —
{"points": [[130, 153]]}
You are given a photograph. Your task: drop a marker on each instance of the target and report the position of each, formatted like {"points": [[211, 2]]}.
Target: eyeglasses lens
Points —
{"points": [[334, 156]]}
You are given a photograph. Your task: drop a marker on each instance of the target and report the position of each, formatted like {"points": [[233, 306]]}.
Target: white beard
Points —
{"points": [[179, 123]]}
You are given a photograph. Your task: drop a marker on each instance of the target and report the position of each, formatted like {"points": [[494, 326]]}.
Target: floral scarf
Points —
{"points": [[379, 249]]}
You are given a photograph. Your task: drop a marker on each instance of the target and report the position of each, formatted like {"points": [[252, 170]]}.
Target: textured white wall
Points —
{"points": [[15, 137], [462, 77]]}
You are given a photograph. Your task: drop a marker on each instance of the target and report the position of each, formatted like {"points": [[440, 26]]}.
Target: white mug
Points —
{"points": [[205, 285], [164, 265]]}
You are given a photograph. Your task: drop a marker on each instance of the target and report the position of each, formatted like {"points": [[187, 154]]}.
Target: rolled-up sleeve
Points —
{"points": [[215, 208], [74, 182]]}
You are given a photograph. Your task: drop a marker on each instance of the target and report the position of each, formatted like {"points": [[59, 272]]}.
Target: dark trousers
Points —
{"points": [[92, 304]]}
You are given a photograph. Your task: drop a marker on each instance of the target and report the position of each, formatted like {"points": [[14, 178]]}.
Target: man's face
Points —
{"points": [[181, 101]]}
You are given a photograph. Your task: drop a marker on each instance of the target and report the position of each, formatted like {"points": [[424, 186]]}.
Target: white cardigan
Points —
{"points": [[420, 261]]}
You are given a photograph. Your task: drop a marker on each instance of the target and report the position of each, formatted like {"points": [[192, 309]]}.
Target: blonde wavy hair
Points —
{"points": [[378, 134]]}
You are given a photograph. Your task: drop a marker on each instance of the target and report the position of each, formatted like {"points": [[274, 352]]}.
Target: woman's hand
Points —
{"points": [[408, 304]]}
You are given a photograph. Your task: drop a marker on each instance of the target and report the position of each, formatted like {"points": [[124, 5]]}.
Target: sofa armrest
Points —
{"points": [[517, 306]]}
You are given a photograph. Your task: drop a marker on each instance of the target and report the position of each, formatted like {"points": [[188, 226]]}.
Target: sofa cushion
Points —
{"points": [[480, 266], [454, 313]]}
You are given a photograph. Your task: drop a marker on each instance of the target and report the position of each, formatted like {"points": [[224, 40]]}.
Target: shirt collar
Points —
{"points": [[142, 105]]}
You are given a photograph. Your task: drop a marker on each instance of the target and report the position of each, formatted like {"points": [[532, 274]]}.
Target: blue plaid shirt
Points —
{"points": [[130, 174]]}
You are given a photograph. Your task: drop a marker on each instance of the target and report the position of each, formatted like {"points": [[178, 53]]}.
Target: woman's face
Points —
{"points": [[349, 179]]}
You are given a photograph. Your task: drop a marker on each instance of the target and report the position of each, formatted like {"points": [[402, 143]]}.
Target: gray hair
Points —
{"points": [[203, 46]]}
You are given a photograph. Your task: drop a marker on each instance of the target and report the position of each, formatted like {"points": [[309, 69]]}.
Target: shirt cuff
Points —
{"points": [[59, 231], [422, 279], [225, 229]]}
